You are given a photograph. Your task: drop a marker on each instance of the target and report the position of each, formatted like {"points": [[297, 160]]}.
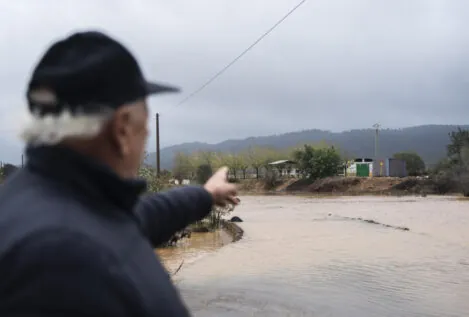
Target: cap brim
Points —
{"points": [[154, 88]]}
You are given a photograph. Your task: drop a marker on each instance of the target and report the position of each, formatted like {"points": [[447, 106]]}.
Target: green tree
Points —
{"points": [[458, 141], [442, 177], [458, 154], [235, 162], [272, 155], [243, 163], [204, 172], [414, 163], [148, 173], [205, 158], [463, 176], [217, 160], [183, 167], [255, 157], [314, 163], [154, 183], [452, 174]]}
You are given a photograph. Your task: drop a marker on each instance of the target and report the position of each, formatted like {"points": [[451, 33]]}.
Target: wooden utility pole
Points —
{"points": [[158, 144], [377, 126]]}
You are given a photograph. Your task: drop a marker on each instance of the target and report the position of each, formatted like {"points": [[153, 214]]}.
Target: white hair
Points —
{"points": [[50, 129]]}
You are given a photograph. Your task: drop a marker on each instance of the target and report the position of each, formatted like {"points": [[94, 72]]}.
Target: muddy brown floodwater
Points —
{"points": [[307, 257], [190, 250]]}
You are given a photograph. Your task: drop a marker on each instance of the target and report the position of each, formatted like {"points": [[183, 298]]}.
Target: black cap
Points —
{"points": [[86, 71]]}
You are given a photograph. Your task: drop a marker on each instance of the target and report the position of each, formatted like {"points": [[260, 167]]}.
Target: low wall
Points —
{"points": [[233, 229]]}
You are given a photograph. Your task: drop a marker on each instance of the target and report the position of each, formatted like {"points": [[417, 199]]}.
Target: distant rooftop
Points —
{"points": [[282, 162]]}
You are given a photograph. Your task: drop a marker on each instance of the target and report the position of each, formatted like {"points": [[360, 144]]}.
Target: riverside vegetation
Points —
{"points": [[212, 222]]}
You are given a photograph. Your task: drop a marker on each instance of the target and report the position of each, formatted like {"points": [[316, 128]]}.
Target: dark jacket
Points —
{"points": [[77, 240]]}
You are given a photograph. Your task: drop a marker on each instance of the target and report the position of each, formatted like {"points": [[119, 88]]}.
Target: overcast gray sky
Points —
{"points": [[401, 62]]}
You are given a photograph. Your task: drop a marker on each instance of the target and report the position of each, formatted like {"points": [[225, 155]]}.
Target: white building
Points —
{"points": [[285, 168]]}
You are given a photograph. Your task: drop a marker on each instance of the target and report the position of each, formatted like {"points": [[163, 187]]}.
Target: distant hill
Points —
{"points": [[428, 140]]}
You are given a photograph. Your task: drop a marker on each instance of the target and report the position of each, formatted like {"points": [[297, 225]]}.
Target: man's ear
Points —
{"points": [[120, 128]]}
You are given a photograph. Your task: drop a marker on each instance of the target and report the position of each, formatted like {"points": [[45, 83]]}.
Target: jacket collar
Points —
{"points": [[86, 176]]}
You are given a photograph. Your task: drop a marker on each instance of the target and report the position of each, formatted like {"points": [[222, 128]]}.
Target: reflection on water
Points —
{"points": [[192, 249], [303, 257]]}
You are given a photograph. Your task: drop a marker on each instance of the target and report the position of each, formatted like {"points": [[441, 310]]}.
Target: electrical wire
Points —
{"points": [[237, 58]]}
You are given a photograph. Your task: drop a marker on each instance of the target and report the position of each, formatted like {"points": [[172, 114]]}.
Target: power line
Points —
{"points": [[219, 73]]}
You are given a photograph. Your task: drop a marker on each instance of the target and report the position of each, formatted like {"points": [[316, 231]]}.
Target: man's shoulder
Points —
{"points": [[28, 199], [34, 206], [27, 189], [66, 271], [31, 207]]}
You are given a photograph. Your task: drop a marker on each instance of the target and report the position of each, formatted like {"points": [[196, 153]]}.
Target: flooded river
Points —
{"points": [[308, 257], [190, 250]]}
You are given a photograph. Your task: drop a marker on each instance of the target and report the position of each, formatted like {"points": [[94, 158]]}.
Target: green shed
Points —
{"points": [[363, 170]]}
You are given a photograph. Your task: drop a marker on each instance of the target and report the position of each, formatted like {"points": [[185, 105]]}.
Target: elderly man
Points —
{"points": [[76, 238]]}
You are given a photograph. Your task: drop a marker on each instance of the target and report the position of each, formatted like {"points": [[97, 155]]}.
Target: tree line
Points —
{"points": [[452, 172], [314, 161], [311, 161]]}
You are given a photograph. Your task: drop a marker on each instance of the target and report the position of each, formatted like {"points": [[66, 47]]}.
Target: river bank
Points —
{"points": [[315, 257], [197, 245], [343, 186], [189, 250]]}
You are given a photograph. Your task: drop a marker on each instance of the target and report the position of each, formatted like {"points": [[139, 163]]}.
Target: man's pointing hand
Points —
{"points": [[222, 191]]}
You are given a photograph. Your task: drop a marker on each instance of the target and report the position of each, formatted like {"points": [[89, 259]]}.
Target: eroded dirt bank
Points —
{"points": [[343, 186]]}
